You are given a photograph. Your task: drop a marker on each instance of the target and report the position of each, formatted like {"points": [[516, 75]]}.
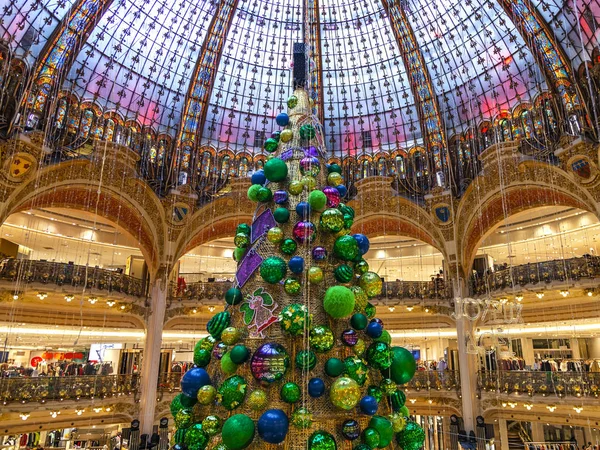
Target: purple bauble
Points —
{"points": [[319, 253], [280, 197], [350, 337], [304, 231], [311, 151], [269, 362], [333, 196], [378, 320], [219, 350], [309, 165]]}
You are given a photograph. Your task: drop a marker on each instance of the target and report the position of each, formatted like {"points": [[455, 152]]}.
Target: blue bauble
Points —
{"points": [[303, 210], [258, 177], [374, 329], [363, 243], [280, 197], [193, 380], [368, 405], [282, 119], [343, 190], [316, 387], [296, 264], [273, 426]]}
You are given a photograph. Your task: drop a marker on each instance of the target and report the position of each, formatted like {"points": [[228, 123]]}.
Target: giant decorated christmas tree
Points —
{"points": [[297, 359]]}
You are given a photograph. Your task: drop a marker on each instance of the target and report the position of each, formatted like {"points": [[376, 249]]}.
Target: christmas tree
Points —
{"points": [[297, 357]]}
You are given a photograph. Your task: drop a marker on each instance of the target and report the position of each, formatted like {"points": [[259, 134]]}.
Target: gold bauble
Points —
{"points": [[230, 335]]}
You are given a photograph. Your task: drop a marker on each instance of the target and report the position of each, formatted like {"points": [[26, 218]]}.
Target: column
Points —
{"points": [[528, 354], [151, 357], [503, 434], [537, 432]]}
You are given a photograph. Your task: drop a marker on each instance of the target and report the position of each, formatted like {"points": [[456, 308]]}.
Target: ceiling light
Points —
{"points": [[413, 400], [430, 401], [92, 300], [122, 306], [97, 410], [110, 303], [107, 409], [42, 295], [69, 297], [194, 311], [211, 308], [590, 292], [551, 408], [519, 297], [24, 416], [528, 406], [79, 411], [512, 404], [564, 292], [504, 404], [578, 409], [54, 414], [392, 308], [410, 308], [15, 296], [426, 310], [539, 294]]}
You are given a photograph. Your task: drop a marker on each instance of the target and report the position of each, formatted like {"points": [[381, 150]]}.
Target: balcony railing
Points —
{"points": [[448, 380], [62, 274], [42, 389], [562, 270], [561, 384]]}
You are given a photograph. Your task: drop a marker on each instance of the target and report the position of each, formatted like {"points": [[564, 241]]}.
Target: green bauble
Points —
{"points": [[334, 367], [239, 354], [296, 187], [359, 321], [361, 267], [309, 182], [196, 438], [290, 392], [344, 393], [273, 269], [384, 428], [403, 366], [334, 167], [360, 347], [397, 400], [179, 436], [356, 369], [187, 402], [243, 228], [346, 210], [362, 447], [339, 302], [332, 220], [184, 418], [317, 200], [258, 400], [411, 437], [371, 283], [375, 392], [286, 135], [343, 273], [211, 425], [218, 323], [238, 254], [241, 240], [321, 339], [207, 343], [306, 360], [292, 286], [220, 446], [388, 386], [201, 357], [228, 367], [264, 194], [275, 235], [230, 335], [281, 215], [371, 437], [385, 337], [334, 179], [321, 440], [288, 246], [398, 421], [379, 355], [233, 296], [307, 131], [293, 318], [404, 412], [348, 222], [238, 432], [302, 418], [346, 248], [315, 275], [253, 192], [232, 392], [206, 394], [271, 145], [370, 310], [276, 170], [360, 298], [176, 405], [292, 101]]}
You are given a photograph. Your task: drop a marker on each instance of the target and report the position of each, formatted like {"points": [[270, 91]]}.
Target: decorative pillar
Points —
{"points": [[503, 434], [537, 431], [151, 357]]}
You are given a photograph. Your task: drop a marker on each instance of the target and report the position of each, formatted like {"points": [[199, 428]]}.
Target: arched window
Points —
{"points": [[205, 165], [73, 119], [400, 165], [243, 168], [225, 166], [42, 96], [109, 130], [505, 133], [260, 164], [61, 112], [526, 124], [381, 167], [365, 169], [162, 149], [87, 120]]}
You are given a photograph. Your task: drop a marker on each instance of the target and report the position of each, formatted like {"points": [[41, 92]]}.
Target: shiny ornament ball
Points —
{"points": [[241, 240], [349, 337], [233, 296], [281, 215], [371, 283], [206, 394], [176, 405], [319, 253], [270, 362], [334, 167], [296, 187], [309, 165], [276, 170], [363, 243], [398, 421], [343, 190], [351, 429], [359, 321], [238, 254], [370, 436], [368, 405], [334, 179], [211, 425], [258, 400], [195, 438], [193, 380], [344, 393], [292, 101], [184, 418], [388, 386], [276, 135], [303, 210], [309, 182], [306, 360], [316, 387], [228, 367], [275, 235], [361, 267], [292, 286], [346, 210], [315, 275], [404, 412], [338, 302], [374, 329], [397, 400], [307, 131], [370, 310], [331, 220], [385, 429], [359, 348], [264, 194], [271, 145], [207, 343], [179, 437], [273, 426], [201, 357], [346, 249], [282, 119], [343, 273], [333, 197], [411, 437], [232, 392], [375, 391], [258, 177], [304, 232], [356, 369], [286, 135], [239, 354], [219, 350], [217, 324], [293, 319], [321, 339], [238, 432], [379, 355], [385, 337], [302, 418], [334, 367], [360, 297], [317, 200], [288, 246], [280, 197], [403, 366], [273, 269], [290, 392], [296, 264], [243, 228], [311, 150], [321, 440]]}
